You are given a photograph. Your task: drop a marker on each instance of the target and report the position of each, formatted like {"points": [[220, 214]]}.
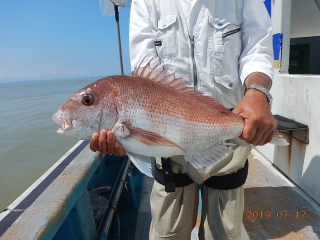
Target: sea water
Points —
{"points": [[29, 144]]}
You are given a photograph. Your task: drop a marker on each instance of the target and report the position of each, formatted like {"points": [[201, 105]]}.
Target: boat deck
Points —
{"points": [[274, 207]]}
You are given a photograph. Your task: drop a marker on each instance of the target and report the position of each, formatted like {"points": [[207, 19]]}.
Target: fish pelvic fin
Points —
{"points": [[143, 163], [211, 156], [168, 79]]}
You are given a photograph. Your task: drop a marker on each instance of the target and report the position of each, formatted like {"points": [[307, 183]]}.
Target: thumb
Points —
{"points": [[236, 110]]}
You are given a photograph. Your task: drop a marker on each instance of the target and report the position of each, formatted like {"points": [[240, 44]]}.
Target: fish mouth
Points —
{"points": [[65, 122]]}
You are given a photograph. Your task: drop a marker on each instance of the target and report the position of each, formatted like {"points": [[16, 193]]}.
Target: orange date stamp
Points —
{"points": [[277, 215]]}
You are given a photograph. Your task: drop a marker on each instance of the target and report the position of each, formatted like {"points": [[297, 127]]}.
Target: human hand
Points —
{"points": [[258, 119], [105, 142]]}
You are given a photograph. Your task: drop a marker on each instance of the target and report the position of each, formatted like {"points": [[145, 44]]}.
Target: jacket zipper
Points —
{"points": [[195, 79], [230, 33]]}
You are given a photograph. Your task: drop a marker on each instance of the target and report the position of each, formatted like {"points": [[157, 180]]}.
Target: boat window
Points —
{"points": [[305, 37]]}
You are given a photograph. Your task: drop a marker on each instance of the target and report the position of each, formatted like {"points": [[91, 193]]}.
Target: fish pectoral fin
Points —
{"points": [[145, 137], [143, 163], [126, 130], [120, 130], [209, 157]]}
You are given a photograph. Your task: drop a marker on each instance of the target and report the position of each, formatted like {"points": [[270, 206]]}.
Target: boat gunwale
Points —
{"points": [[12, 213]]}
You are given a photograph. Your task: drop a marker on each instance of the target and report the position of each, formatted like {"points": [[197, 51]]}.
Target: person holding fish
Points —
{"points": [[222, 49]]}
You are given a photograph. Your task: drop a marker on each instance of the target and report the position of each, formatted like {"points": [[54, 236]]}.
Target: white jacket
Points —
{"points": [[232, 39]]}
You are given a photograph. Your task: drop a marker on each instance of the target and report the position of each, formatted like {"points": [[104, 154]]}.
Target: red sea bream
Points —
{"points": [[152, 115]]}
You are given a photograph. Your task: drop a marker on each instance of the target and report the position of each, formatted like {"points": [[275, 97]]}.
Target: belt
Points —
{"points": [[229, 181], [171, 180]]}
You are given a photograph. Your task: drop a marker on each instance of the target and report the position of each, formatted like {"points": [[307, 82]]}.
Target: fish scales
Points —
{"points": [[174, 114]]}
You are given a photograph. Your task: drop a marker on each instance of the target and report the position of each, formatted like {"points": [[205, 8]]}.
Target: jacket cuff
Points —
{"points": [[251, 67]]}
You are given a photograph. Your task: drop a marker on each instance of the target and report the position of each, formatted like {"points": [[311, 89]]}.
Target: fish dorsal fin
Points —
{"points": [[169, 80], [146, 71]]}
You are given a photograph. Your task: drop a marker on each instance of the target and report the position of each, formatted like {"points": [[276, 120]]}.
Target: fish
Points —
{"points": [[153, 114]]}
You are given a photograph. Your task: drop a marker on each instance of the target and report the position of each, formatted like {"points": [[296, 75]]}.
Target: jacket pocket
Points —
{"points": [[227, 34], [225, 49], [166, 37]]}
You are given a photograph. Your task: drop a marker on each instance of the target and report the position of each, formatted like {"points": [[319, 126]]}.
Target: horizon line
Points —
{"points": [[54, 79]]}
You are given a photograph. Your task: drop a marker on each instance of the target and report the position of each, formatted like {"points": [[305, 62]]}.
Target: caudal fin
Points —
{"points": [[278, 139]]}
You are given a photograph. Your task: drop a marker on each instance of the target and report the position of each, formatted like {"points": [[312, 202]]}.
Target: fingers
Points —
{"points": [[259, 123], [110, 141], [269, 138], [105, 142], [266, 133], [259, 131], [249, 131], [94, 144], [260, 138], [119, 151]]}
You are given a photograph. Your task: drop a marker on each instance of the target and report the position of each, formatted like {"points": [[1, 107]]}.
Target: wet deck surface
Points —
{"points": [[274, 209]]}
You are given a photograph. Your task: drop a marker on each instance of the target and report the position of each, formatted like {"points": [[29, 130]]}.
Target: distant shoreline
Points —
{"points": [[29, 81]]}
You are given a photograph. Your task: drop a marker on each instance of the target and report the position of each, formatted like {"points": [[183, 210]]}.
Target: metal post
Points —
{"points": [[119, 40]]}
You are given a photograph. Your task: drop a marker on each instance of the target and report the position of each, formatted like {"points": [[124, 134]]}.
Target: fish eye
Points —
{"points": [[87, 99]]}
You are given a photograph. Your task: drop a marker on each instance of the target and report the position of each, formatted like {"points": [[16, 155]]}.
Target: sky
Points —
{"points": [[59, 39]]}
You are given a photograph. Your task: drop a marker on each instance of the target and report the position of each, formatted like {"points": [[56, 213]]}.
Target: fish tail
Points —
{"points": [[278, 139]]}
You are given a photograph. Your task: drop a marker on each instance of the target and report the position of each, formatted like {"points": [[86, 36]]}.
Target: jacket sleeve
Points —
{"points": [[257, 48], [141, 39]]}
